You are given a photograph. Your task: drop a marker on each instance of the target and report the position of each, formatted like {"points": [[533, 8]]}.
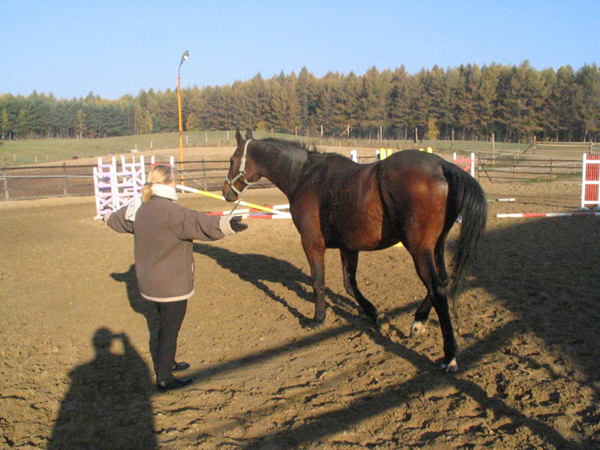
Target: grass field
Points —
{"points": [[32, 151]]}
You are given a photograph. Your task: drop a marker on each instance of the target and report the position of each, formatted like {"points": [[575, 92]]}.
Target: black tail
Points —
{"points": [[467, 200]]}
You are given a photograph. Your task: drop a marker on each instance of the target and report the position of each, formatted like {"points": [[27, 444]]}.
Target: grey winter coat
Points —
{"points": [[163, 245]]}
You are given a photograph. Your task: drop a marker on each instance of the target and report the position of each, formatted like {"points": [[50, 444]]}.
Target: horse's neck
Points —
{"points": [[283, 167]]}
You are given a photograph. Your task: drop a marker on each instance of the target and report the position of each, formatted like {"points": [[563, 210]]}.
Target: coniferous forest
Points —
{"points": [[514, 103]]}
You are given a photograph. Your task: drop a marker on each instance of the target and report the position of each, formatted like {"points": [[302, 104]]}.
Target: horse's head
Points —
{"points": [[242, 170]]}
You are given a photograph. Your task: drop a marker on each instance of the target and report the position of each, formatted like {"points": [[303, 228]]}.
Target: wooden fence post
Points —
{"points": [[514, 164], [6, 196], [65, 180]]}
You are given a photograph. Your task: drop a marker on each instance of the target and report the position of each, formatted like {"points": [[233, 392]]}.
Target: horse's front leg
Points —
{"points": [[315, 253], [349, 266]]}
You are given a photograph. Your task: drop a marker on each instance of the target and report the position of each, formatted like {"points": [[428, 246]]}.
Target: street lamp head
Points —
{"points": [[185, 56]]}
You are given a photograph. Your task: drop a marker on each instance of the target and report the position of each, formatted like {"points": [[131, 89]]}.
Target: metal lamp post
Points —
{"points": [[185, 56]]}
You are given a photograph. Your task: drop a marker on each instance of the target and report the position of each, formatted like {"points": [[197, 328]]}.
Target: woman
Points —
{"points": [[164, 232]]}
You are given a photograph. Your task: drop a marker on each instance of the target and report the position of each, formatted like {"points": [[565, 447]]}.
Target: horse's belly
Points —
{"points": [[361, 232], [352, 215]]}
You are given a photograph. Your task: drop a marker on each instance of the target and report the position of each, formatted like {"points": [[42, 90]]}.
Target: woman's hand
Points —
{"points": [[237, 225], [231, 225]]}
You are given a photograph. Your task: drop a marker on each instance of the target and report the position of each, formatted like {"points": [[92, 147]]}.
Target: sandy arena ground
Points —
{"points": [[76, 369]]}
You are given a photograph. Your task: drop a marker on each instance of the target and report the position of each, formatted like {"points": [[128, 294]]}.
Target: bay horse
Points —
{"points": [[412, 197]]}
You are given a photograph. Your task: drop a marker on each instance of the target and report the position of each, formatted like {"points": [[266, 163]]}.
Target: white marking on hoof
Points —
{"points": [[452, 366], [417, 328]]}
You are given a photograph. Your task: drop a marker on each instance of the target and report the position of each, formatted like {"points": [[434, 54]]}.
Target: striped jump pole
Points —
{"points": [[220, 197], [253, 211], [564, 214]]}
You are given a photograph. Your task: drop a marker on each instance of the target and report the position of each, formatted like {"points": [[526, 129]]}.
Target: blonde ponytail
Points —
{"points": [[159, 174]]}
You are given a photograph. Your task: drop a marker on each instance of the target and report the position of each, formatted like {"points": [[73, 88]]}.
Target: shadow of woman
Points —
{"points": [[108, 403], [259, 269], [141, 306]]}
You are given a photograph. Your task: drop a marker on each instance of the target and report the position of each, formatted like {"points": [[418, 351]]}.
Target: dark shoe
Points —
{"points": [[173, 383], [180, 366]]}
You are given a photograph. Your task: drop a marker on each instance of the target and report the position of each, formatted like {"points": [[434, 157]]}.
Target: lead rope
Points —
{"points": [[237, 203]]}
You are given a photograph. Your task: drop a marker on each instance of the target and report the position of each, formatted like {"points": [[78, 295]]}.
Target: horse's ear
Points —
{"points": [[238, 136], [248, 134]]}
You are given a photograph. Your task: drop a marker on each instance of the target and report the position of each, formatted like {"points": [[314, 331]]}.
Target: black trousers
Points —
{"points": [[171, 316]]}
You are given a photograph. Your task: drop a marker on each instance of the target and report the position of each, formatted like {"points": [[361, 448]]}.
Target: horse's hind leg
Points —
{"points": [[440, 262], [421, 316], [349, 266], [436, 294], [424, 309]]}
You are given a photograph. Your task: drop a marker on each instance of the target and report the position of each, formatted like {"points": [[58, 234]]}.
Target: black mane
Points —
{"points": [[294, 144], [313, 153]]}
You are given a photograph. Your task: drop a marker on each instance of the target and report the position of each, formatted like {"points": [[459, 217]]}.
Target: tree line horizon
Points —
{"points": [[512, 103]]}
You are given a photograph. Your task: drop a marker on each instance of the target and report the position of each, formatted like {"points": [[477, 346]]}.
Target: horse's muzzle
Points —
{"points": [[229, 193]]}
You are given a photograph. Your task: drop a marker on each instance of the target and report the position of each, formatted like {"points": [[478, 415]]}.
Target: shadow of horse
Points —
{"points": [[108, 404], [552, 283], [542, 276], [260, 269], [379, 401], [545, 272]]}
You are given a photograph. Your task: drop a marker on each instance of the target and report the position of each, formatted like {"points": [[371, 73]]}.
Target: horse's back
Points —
{"points": [[373, 206], [341, 198], [413, 161], [409, 169]]}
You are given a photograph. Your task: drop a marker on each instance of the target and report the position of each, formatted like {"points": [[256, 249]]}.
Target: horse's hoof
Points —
{"points": [[417, 329], [382, 322], [452, 366], [314, 324]]}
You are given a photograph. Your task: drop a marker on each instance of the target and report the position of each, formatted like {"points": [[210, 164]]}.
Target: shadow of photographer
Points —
{"points": [[108, 403], [141, 306]]}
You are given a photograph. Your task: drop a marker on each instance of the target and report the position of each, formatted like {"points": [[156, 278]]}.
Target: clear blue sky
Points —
{"points": [[118, 47]]}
